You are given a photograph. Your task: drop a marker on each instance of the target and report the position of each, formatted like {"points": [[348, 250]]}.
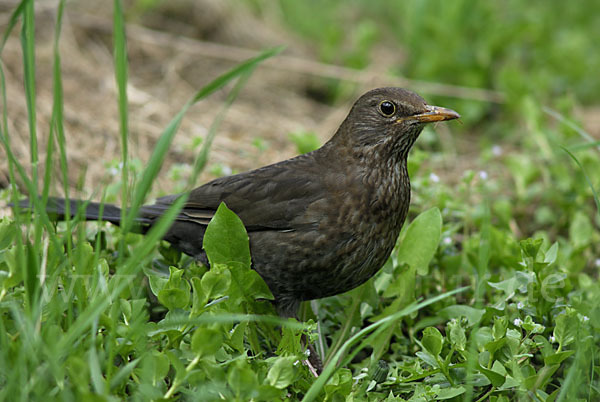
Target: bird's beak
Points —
{"points": [[433, 114]]}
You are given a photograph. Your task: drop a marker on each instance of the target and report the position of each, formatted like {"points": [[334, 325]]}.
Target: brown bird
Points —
{"points": [[321, 223]]}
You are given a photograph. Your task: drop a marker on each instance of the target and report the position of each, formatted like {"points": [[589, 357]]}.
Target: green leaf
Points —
{"points": [[532, 327], [199, 297], [160, 365], [157, 281], [7, 233], [540, 379], [493, 346], [500, 327], [557, 357], [282, 373], [174, 298], [448, 393], [226, 240], [432, 340], [176, 292], [457, 336], [511, 285], [428, 358], [567, 325], [206, 341], [421, 240], [495, 378], [243, 381], [473, 315], [531, 247], [216, 282], [580, 230], [551, 254], [237, 336]]}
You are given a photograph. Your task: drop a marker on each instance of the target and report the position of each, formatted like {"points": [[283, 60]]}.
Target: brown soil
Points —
{"points": [[173, 52]]}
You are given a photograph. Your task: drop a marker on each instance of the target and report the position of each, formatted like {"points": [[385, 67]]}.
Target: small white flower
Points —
{"points": [[307, 352], [447, 240], [113, 171], [552, 339], [483, 175], [586, 318], [520, 305], [597, 262], [497, 150], [227, 171], [518, 322], [434, 177], [296, 362]]}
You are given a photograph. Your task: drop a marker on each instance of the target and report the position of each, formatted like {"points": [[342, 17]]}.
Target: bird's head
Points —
{"points": [[390, 119]]}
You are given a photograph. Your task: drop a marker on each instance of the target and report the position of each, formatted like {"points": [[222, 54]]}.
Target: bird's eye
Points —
{"points": [[387, 108]]}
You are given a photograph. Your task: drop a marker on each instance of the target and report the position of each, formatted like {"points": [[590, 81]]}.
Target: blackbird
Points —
{"points": [[321, 223]]}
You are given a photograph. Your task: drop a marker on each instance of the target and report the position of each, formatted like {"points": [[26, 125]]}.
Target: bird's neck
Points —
{"points": [[382, 169]]}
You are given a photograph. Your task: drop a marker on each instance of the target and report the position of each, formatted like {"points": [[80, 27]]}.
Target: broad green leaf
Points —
{"points": [[580, 230], [160, 364], [518, 282], [566, 328], [500, 327], [226, 239], [473, 315], [216, 282], [421, 240], [340, 383], [432, 340], [157, 282], [206, 341], [199, 297], [449, 393], [557, 357], [7, 233], [456, 335], [495, 378], [530, 247], [428, 358], [532, 327], [243, 381], [173, 298], [237, 336], [494, 346], [540, 379], [282, 373]]}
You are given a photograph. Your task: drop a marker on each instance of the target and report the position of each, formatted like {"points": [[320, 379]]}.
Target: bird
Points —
{"points": [[321, 223]]}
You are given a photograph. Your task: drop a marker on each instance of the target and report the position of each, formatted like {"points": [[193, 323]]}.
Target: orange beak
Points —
{"points": [[433, 114]]}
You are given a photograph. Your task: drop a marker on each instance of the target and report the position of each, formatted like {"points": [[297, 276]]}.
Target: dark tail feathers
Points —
{"points": [[56, 208]]}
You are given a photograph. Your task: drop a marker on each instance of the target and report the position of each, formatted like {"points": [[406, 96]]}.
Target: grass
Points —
{"points": [[491, 294]]}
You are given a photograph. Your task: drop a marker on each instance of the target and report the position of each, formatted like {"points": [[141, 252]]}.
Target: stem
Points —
{"points": [[176, 382], [484, 397], [444, 370]]}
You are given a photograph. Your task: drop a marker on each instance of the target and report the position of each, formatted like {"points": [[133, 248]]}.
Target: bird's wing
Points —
{"points": [[275, 197]]}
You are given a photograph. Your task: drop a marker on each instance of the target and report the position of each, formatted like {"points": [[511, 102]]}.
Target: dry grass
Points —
{"points": [[167, 66], [163, 75]]}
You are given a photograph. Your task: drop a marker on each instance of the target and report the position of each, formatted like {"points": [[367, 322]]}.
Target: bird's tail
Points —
{"points": [[89, 211]]}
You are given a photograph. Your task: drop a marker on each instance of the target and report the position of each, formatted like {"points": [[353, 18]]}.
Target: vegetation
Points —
{"points": [[491, 294]]}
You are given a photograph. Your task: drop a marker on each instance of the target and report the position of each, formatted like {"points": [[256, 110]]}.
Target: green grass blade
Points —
{"points": [[28, 46], [121, 71], [14, 18]]}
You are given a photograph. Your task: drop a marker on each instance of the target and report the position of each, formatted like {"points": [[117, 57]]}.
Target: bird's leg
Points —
{"points": [[313, 361]]}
